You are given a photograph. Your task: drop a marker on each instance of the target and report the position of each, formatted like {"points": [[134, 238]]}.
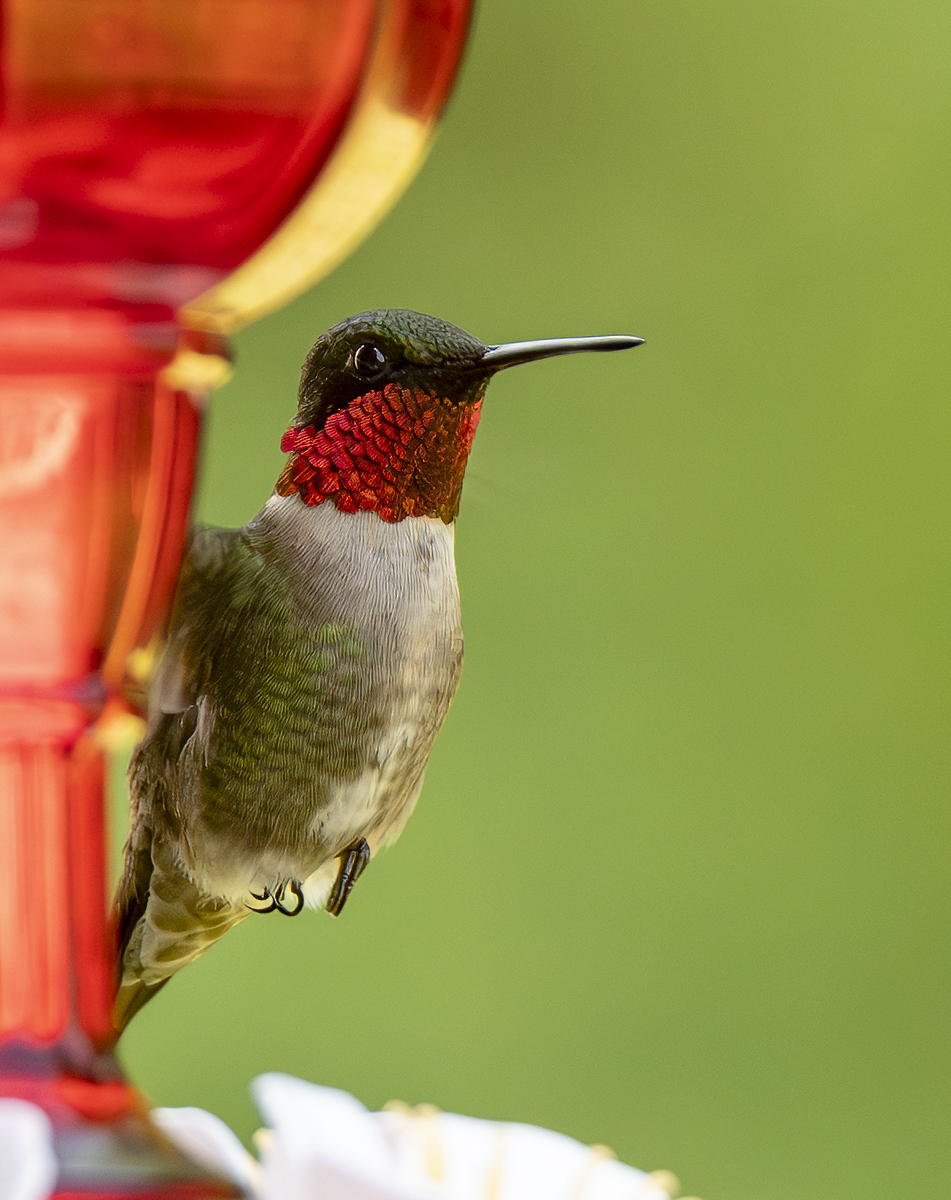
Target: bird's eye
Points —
{"points": [[368, 361]]}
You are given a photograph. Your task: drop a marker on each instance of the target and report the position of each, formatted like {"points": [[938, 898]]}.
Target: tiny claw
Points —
{"points": [[265, 895], [353, 861], [294, 887]]}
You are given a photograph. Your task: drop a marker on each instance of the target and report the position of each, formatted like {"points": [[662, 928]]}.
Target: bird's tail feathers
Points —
{"points": [[176, 923]]}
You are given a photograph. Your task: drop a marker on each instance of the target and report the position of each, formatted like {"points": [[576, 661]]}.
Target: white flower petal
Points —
{"points": [[325, 1144], [27, 1162], [471, 1159], [542, 1165], [208, 1141], [449, 1156]]}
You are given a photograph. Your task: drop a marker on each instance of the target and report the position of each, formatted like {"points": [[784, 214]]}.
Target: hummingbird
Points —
{"points": [[311, 656]]}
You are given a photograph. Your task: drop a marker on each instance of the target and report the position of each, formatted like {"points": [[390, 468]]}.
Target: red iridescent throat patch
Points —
{"points": [[398, 453]]}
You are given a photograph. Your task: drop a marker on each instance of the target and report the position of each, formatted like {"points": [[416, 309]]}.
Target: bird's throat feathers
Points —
{"points": [[398, 452]]}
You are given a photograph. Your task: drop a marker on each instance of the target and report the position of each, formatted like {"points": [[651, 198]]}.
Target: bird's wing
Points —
{"points": [[163, 920]]}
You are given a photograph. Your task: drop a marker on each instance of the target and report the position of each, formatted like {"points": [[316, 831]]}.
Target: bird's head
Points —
{"points": [[388, 407]]}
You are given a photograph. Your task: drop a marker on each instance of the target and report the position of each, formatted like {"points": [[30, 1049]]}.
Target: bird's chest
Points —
{"points": [[356, 658], [382, 602], [400, 606]]}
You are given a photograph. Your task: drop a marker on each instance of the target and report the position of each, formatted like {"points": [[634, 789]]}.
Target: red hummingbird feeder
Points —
{"points": [[169, 170]]}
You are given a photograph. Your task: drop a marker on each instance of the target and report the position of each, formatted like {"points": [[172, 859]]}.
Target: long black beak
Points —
{"points": [[512, 353]]}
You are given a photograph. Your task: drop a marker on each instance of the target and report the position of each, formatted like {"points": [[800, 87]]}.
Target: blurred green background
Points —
{"points": [[677, 881]]}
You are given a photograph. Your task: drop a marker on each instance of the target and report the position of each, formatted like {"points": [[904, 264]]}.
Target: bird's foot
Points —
{"points": [[274, 901], [293, 886], [352, 863], [266, 898]]}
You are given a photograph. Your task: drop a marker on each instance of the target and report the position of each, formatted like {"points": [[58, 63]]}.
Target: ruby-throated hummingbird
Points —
{"points": [[311, 656]]}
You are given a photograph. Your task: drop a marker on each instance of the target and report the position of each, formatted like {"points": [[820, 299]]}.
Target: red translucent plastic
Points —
{"points": [[96, 467], [174, 133], [147, 148]]}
